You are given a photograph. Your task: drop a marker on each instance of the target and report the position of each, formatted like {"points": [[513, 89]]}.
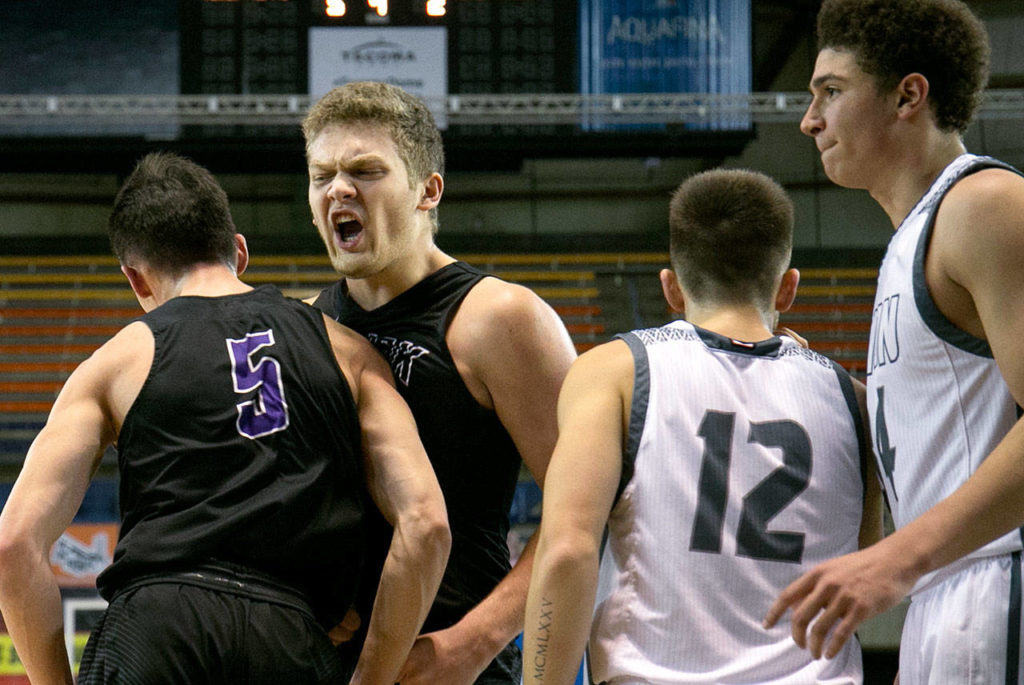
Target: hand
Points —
{"points": [[346, 630], [840, 593], [438, 657]]}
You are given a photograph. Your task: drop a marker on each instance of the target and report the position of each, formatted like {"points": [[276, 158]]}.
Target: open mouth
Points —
{"points": [[348, 232]]}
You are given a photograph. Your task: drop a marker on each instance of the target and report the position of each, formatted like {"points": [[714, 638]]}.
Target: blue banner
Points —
{"points": [[667, 46]]}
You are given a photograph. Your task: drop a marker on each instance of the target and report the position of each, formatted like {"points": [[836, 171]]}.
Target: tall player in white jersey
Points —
{"points": [[895, 85], [725, 461]]}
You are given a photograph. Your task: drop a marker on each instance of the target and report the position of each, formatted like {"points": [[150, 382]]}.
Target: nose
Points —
{"points": [[341, 187], [812, 123]]}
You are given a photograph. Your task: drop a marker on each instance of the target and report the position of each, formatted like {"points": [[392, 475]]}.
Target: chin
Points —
{"points": [[351, 266], [837, 176]]}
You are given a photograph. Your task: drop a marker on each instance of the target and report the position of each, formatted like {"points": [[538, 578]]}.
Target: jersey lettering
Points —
{"points": [[884, 347], [772, 494], [268, 412], [716, 429], [399, 353], [885, 451], [760, 505]]}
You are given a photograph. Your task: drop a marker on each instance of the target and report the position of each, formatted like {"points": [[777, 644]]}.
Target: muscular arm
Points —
{"points": [[48, 492], [581, 485], [975, 276], [403, 486], [513, 351]]}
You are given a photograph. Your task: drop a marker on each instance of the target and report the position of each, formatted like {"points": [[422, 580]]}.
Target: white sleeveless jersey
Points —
{"points": [[937, 403], [742, 471]]}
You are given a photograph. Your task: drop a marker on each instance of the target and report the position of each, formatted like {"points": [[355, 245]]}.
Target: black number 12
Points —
{"points": [[761, 504]]}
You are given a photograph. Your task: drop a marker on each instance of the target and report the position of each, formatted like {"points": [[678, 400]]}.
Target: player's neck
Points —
{"points": [[382, 287], [208, 280], [914, 172], [739, 322]]}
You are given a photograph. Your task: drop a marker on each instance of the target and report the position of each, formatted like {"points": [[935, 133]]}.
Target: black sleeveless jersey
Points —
{"points": [[475, 460], [242, 447]]}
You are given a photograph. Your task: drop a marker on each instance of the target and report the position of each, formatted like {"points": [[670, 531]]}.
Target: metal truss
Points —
{"points": [[30, 111]]}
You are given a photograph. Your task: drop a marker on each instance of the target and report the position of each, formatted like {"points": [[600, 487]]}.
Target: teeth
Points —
{"points": [[348, 229]]}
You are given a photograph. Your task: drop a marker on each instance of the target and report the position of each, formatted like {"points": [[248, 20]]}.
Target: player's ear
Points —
{"points": [[138, 281], [241, 254], [913, 94], [433, 188], [787, 290], [672, 292]]}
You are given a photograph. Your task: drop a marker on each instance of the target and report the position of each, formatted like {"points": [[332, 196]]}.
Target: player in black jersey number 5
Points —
{"points": [[248, 429]]}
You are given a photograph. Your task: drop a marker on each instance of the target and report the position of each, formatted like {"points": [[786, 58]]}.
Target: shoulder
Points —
{"points": [[353, 353], [494, 301], [342, 337], [985, 190], [499, 314], [510, 347], [112, 376], [132, 343], [981, 219], [608, 363], [600, 375], [990, 194], [613, 355]]}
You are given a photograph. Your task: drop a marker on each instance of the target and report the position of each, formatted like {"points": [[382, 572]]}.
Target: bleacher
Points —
{"points": [[55, 310]]}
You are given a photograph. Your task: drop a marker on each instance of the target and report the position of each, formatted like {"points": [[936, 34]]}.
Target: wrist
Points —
{"points": [[479, 643], [908, 556]]}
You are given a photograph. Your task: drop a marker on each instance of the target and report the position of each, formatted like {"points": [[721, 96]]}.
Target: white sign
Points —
{"points": [[412, 58]]}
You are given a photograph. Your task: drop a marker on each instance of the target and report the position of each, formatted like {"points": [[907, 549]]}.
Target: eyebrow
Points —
{"points": [[821, 80], [357, 161]]}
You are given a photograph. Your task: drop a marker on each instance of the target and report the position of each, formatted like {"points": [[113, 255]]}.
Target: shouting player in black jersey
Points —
{"points": [[248, 428], [478, 360]]}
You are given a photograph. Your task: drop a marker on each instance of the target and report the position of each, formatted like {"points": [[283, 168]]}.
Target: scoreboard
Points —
{"points": [[494, 46], [369, 12]]}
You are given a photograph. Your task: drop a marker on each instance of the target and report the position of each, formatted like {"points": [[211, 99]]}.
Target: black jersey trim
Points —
{"points": [[638, 408], [933, 318], [1013, 628], [457, 303], [762, 348], [129, 416], [850, 395]]}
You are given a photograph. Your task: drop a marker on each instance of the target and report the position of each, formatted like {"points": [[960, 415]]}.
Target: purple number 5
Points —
{"points": [[268, 412]]}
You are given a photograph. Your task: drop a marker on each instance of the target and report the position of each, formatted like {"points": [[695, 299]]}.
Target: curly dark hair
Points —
{"points": [[730, 236], [940, 39]]}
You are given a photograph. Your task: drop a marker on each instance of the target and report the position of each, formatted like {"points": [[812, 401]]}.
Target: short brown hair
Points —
{"points": [[172, 214], [730, 236], [940, 39], [405, 117]]}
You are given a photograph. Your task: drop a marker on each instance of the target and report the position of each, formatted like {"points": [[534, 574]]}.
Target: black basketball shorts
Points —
{"points": [[169, 632]]}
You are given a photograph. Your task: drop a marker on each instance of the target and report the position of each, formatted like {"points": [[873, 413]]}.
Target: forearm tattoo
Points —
{"points": [[540, 657]]}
